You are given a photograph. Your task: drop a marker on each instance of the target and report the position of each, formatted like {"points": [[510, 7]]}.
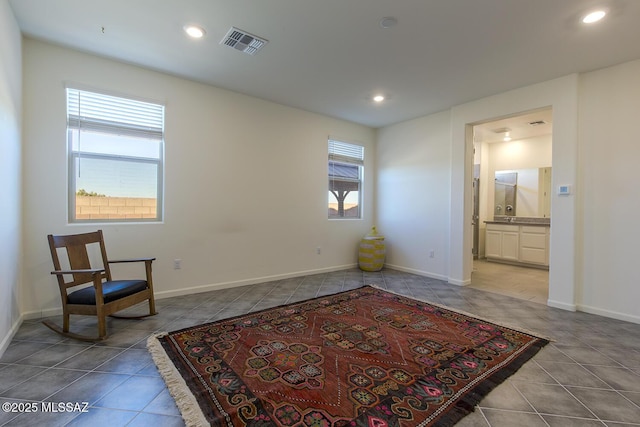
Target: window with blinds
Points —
{"points": [[346, 163], [116, 150]]}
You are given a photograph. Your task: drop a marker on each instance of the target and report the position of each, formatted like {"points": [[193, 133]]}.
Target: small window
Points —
{"points": [[116, 149], [346, 163]]}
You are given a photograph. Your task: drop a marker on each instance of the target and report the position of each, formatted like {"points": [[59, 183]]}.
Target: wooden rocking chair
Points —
{"points": [[105, 296]]}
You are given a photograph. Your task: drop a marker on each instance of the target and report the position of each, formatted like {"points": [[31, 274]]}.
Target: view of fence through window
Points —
{"points": [[116, 157]]}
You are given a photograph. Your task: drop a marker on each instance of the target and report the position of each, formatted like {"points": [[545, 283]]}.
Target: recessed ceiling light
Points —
{"points": [[378, 98], [194, 31], [594, 16], [388, 22]]}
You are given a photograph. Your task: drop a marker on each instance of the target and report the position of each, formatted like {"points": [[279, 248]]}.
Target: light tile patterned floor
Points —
{"points": [[527, 283], [590, 375]]}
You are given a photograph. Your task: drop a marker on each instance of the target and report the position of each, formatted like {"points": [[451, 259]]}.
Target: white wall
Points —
{"points": [[10, 173], [562, 96], [413, 198], [437, 152], [423, 179], [257, 172], [594, 232], [525, 155], [609, 157], [520, 154]]}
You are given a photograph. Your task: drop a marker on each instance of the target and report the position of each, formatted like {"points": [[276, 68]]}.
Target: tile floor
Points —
{"points": [[590, 375], [531, 284]]}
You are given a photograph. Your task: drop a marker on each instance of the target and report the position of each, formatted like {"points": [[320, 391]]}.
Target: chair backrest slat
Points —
{"points": [[76, 246]]}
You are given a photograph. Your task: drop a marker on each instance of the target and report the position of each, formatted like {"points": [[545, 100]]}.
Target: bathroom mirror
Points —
{"points": [[523, 192]]}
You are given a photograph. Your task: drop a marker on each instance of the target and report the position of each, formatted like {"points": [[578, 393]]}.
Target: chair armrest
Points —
{"points": [[88, 270], [113, 261]]}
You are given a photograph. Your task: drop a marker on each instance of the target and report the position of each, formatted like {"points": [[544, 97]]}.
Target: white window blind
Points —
{"points": [[344, 152], [104, 113]]}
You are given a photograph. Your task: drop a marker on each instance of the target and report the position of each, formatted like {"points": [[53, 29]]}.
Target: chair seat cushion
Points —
{"points": [[112, 291]]}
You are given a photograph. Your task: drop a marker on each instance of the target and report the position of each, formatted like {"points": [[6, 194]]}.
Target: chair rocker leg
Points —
{"points": [[152, 312], [56, 328], [119, 316]]}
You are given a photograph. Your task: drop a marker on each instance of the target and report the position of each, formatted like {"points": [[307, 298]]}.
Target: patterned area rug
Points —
{"points": [[365, 357]]}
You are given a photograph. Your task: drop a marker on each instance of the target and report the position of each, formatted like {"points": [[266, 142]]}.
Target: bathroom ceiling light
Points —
{"points": [[194, 31], [388, 22], [506, 138], [378, 98], [502, 130], [594, 16]]}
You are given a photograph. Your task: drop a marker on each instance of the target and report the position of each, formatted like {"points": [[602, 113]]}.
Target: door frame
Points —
{"points": [[562, 96]]}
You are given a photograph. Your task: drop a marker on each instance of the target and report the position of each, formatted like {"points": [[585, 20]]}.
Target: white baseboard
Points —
{"points": [[41, 314], [245, 282], [237, 283], [418, 272], [7, 339], [561, 305], [609, 313], [205, 288], [32, 315], [459, 282]]}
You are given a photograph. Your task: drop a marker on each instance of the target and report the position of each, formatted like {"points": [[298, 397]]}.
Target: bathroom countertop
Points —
{"points": [[542, 222]]}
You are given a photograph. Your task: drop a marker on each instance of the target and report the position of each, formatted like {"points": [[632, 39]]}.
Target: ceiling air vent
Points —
{"points": [[243, 41], [537, 123]]}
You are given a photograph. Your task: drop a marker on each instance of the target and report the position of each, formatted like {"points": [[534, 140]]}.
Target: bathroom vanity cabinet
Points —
{"points": [[502, 242], [526, 244]]}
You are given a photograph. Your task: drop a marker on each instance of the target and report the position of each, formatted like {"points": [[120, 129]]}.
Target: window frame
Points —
{"points": [[153, 132], [349, 154]]}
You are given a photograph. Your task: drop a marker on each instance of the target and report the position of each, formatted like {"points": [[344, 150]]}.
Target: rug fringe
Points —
{"points": [[185, 400], [475, 316]]}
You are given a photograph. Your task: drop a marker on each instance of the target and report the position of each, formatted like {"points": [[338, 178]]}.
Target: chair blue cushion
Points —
{"points": [[112, 291]]}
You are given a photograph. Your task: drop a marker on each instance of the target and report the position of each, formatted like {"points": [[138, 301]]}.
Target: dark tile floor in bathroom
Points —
{"points": [[589, 376]]}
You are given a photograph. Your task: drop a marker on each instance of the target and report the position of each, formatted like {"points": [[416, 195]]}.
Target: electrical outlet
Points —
{"points": [[177, 264], [432, 253], [318, 250]]}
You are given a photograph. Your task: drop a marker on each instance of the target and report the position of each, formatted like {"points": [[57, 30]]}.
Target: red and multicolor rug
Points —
{"points": [[365, 357]]}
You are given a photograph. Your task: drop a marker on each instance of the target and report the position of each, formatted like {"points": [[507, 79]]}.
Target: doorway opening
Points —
{"points": [[512, 204]]}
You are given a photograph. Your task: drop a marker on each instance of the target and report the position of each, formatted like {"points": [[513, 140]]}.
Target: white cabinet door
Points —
{"points": [[510, 245], [493, 244]]}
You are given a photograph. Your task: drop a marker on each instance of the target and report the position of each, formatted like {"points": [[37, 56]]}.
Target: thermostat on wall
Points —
{"points": [[564, 190]]}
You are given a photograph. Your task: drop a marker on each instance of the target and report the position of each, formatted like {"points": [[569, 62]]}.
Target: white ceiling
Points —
{"points": [[528, 125], [331, 56]]}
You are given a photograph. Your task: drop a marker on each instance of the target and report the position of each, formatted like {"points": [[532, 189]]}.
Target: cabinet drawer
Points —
{"points": [[502, 227], [537, 241], [534, 229], [532, 255]]}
